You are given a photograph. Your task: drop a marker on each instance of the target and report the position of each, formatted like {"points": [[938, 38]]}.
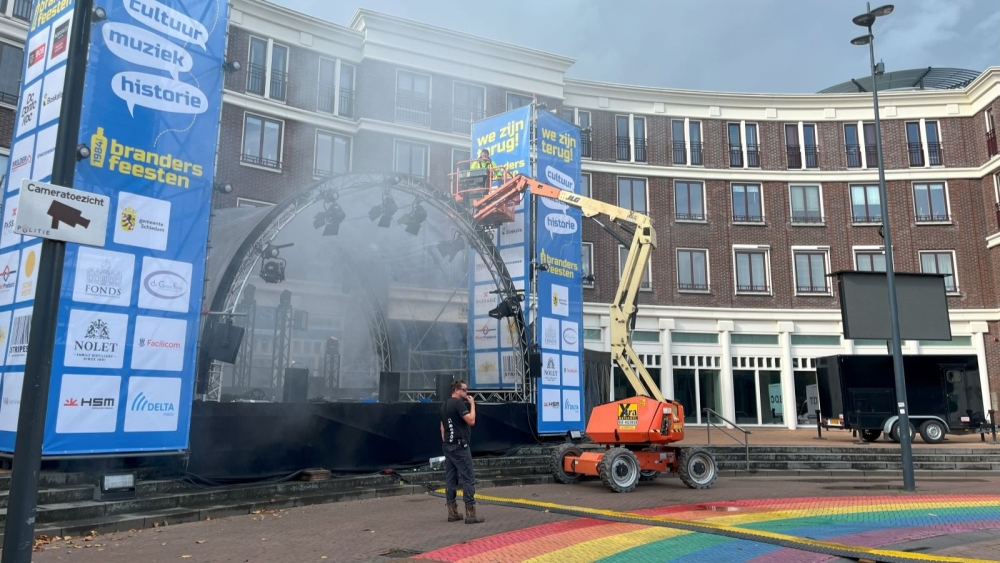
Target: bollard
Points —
{"points": [[993, 425], [819, 427]]}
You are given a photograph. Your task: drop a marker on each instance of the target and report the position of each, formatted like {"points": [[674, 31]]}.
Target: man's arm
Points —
{"points": [[470, 417], [442, 432]]}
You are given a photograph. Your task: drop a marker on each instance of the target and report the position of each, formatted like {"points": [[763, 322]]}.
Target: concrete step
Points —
{"points": [[64, 494]]}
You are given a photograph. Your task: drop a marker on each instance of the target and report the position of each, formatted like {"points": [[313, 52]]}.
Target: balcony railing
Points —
{"points": [[640, 150], [585, 145], [991, 143], [324, 98], [696, 154], [808, 217], [996, 210], [871, 153], [624, 149], [916, 151], [751, 217], [752, 288], [753, 156], [463, 116], [934, 155], [867, 219], [322, 173], [347, 102], [261, 161], [735, 156], [812, 156], [825, 289], [680, 152], [689, 216], [794, 156], [256, 74], [413, 109], [9, 98], [853, 156], [692, 286], [22, 10], [279, 85], [932, 217]]}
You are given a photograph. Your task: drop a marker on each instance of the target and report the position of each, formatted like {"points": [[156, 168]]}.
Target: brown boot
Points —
{"points": [[470, 515], [453, 515]]}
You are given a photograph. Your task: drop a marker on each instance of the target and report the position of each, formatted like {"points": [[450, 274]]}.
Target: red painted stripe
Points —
{"points": [[461, 551]]}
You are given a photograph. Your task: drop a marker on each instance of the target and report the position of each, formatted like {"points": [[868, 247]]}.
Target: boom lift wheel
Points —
{"points": [[697, 467], [619, 470], [561, 453]]}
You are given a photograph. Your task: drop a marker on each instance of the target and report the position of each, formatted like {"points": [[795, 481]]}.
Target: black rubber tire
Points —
{"points": [[894, 434], [870, 435], [556, 464], [932, 431], [619, 470], [697, 467], [648, 475]]}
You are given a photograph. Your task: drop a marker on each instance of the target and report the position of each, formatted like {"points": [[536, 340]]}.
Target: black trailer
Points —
{"points": [[943, 392]]}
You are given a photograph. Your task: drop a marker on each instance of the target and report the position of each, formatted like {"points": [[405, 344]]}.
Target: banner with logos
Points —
{"points": [[491, 354], [559, 283], [124, 363], [36, 123]]}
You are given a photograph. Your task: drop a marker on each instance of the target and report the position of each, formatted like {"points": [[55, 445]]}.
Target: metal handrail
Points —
{"points": [[709, 424]]}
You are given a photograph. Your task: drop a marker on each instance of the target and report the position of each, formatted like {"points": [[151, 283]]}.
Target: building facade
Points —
{"points": [[756, 197]]}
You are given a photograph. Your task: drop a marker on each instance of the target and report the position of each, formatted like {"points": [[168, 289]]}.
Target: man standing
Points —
{"points": [[456, 422]]}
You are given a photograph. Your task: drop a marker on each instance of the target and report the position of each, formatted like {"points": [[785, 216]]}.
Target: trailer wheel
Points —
{"points": [[619, 470], [932, 432], [556, 464], [870, 435], [894, 434], [648, 475], [697, 467]]}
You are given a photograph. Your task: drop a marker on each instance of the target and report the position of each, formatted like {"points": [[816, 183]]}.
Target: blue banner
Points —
{"points": [[491, 357], [559, 284], [124, 362]]}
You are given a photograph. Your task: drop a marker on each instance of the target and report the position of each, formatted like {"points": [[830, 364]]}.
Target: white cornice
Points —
{"points": [[298, 29]]}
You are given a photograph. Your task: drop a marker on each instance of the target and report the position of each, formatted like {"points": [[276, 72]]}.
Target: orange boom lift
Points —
{"points": [[638, 434]]}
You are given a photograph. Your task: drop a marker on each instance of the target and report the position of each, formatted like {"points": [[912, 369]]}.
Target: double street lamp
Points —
{"points": [[866, 20]]}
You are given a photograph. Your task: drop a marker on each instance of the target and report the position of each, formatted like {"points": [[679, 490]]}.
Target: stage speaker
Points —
{"points": [[296, 389], [534, 364], [443, 385], [388, 387], [224, 342]]}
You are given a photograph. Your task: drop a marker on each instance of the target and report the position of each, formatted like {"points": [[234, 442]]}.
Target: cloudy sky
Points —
{"points": [[729, 45]]}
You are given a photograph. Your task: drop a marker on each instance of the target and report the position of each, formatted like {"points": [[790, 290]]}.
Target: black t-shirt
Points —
{"points": [[456, 431]]}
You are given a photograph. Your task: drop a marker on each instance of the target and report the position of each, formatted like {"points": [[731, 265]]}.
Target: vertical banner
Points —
{"points": [[36, 123], [559, 284], [124, 362], [491, 346]]}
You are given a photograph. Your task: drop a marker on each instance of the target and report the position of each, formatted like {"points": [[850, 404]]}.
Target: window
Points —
{"points": [[687, 147], [694, 337], [646, 276], [815, 340], [345, 91], [19, 10], [584, 123], [865, 204], [459, 155], [413, 98], [930, 202], [262, 141], [991, 134], [326, 89], [411, 158], [810, 271], [515, 101], [748, 206], [4, 160], [267, 69], [632, 193], [852, 145], [585, 185], [689, 201], [801, 150], [739, 338], [940, 262], [587, 264], [694, 136], [751, 270], [592, 334], [738, 144], [624, 151], [639, 136], [806, 203], [753, 146], [869, 260], [692, 269], [679, 145], [469, 106], [626, 142], [645, 336], [333, 154], [923, 147], [11, 59], [735, 146]]}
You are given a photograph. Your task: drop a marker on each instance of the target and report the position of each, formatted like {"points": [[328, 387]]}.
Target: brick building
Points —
{"points": [[756, 197]]}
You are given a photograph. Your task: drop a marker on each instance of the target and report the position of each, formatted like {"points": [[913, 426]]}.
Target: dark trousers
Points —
{"points": [[458, 465]]}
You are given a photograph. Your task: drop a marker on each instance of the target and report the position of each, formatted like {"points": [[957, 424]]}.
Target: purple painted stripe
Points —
{"points": [[878, 538]]}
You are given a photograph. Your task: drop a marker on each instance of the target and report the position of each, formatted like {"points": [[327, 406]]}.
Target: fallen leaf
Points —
{"points": [[200, 541], [185, 557]]}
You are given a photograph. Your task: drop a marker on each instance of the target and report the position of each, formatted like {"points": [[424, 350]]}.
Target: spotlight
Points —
{"points": [[385, 210], [99, 15], [451, 247], [273, 270], [82, 152], [507, 308], [224, 188], [232, 66], [274, 250], [414, 219], [330, 218]]}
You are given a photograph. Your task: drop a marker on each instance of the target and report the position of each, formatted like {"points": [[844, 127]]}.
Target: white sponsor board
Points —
{"points": [[152, 404], [158, 344], [88, 404], [103, 277], [59, 213], [165, 285]]}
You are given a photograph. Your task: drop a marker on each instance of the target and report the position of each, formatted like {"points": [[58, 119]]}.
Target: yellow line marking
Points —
{"points": [[594, 550]]}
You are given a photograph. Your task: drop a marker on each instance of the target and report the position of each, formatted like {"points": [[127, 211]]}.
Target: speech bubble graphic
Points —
{"points": [[139, 46], [561, 224], [158, 93], [559, 179], [167, 21]]}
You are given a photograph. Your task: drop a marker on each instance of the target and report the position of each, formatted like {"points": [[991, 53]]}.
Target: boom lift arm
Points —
{"points": [[500, 201]]}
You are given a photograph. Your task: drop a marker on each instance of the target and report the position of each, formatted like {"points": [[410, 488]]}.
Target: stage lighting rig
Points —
{"points": [[331, 217], [414, 219], [451, 247], [385, 210], [509, 307], [272, 268]]}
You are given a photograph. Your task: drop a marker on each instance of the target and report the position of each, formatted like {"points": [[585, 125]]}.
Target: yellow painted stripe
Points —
{"points": [[712, 527], [594, 550], [769, 515]]}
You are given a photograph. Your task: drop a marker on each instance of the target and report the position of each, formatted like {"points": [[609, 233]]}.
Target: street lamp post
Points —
{"points": [[866, 20]]}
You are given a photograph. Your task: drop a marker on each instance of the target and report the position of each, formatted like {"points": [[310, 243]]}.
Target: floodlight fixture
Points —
{"points": [[385, 210], [115, 486], [509, 307], [451, 247], [414, 219]]}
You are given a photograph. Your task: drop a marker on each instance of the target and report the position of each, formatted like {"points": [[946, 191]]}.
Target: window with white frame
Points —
{"points": [[410, 158], [923, 143], [748, 203], [583, 120], [647, 275], [806, 203], [632, 193], [267, 69], [515, 100], [689, 200], [333, 154], [413, 98], [4, 160], [335, 89], [631, 140], [459, 155], [930, 202], [940, 262], [752, 265], [800, 145], [587, 264], [866, 206], [744, 150], [692, 269], [262, 141], [869, 260], [811, 268], [11, 58], [469, 105], [639, 138], [686, 142], [991, 134], [585, 185]]}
